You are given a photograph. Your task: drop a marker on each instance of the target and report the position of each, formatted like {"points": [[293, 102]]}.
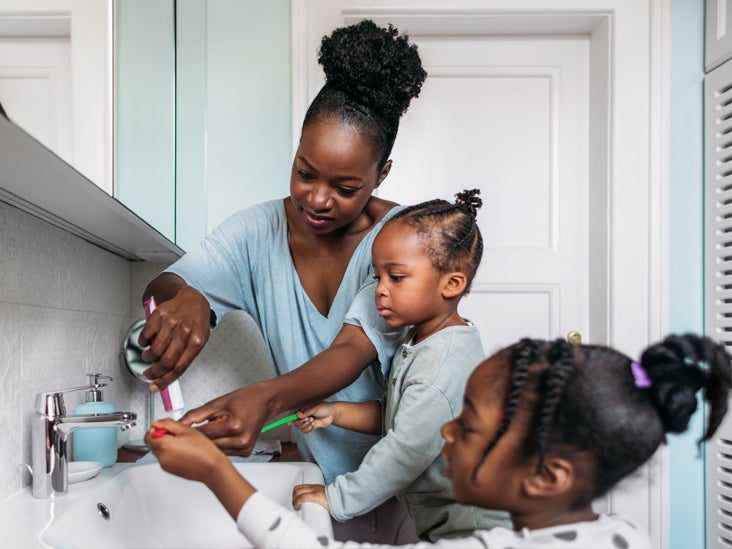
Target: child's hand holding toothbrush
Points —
{"points": [[188, 453], [183, 451], [314, 417]]}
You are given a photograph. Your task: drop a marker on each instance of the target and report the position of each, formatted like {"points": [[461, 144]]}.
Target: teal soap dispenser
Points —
{"points": [[98, 443]]}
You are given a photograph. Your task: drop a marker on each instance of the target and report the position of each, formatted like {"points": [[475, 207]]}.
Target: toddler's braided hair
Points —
{"points": [[449, 232]]}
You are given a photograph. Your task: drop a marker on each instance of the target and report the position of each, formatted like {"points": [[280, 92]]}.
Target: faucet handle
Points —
{"points": [[51, 403]]}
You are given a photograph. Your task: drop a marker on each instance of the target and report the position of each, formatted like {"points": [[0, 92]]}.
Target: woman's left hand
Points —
{"points": [[313, 493]]}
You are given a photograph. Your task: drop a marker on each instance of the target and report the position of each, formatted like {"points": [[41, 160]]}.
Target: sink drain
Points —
{"points": [[104, 511]]}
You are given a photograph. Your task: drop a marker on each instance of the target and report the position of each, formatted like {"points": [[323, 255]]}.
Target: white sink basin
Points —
{"points": [[142, 506]]}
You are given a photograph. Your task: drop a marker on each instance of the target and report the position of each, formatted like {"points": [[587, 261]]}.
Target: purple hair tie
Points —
{"points": [[642, 381]]}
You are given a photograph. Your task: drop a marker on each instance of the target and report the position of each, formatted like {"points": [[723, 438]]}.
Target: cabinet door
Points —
{"points": [[233, 144], [202, 110], [55, 83], [718, 284], [144, 111], [718, 46]]}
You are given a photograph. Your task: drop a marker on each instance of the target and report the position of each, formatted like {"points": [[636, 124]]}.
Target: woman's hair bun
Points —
{"points": [[374, 65], [469, 200]]}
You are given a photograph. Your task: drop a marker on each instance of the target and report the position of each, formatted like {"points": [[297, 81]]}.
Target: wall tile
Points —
{"points": [[65, 308]]}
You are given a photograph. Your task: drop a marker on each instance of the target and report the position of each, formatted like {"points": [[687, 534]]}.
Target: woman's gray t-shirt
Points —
{"points": [[245, 264]]}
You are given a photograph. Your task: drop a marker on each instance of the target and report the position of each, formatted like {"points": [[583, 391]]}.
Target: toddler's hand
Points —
{"points": [[313, 493], [182, 450], [317, 416]]}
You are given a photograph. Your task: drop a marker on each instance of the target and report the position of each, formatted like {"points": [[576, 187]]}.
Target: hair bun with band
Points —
{"points": [[374, 65], [469, 200]]}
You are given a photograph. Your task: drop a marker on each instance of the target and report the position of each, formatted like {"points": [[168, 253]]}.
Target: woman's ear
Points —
{"points": [[384, 172], [454, 284], [556, 478]]}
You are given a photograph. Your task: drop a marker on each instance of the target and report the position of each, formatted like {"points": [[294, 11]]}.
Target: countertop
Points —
{"points": [[290, 452]]}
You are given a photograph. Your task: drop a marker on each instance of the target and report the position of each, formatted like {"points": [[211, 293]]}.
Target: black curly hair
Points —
{"points": [[584, 401], [372, 74], [449, 231]]}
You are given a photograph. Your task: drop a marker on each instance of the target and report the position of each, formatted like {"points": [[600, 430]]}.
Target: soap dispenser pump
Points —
{"points": [[96, 444]]}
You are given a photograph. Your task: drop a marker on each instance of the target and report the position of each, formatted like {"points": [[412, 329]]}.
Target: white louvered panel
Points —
{"points": [[724, 100], [724, 296], [724, 195], [725, 493], [724, 124], [723, 227], [719, 466], [724, 264], [724, 191], [718, 285], [724, 324], [723, 155], [725, 208], [724, 281], [725, 309]]}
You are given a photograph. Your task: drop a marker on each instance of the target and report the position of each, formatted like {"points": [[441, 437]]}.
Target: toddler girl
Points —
{"points": [[425, 258], [545, 428]]}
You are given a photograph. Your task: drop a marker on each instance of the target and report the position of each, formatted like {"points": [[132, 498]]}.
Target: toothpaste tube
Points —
{"points": [[172, 395]]}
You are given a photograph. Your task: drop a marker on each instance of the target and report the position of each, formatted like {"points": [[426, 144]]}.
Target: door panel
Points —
{"points": [[508, 115], [35, 89], [605, 83]]}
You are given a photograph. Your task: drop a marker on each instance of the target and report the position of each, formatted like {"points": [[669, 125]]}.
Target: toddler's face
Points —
{"points": [[409, 289], [498, 481]]}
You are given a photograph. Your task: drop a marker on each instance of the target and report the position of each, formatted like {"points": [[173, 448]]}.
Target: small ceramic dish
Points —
{"points": [[83, 470]]}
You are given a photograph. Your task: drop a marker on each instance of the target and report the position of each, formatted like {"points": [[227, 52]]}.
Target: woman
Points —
{"points": [[297, 265]]}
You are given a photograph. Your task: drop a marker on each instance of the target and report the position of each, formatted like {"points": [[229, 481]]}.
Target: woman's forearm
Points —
{"points": [[164, 287], [326, 373]]}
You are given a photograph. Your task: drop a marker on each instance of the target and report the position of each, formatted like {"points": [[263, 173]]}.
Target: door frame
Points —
{"points": [[88, 26], [629, 159]]}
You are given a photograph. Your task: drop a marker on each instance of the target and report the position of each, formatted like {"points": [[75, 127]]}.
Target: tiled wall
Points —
{"points": [[65, 308]]}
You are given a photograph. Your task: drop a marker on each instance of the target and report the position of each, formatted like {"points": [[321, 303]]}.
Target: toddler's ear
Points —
{"points": [[556, 478], [453, 284]]}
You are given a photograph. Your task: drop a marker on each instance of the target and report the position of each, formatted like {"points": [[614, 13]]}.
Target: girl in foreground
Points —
{"points": [[546, 427]]}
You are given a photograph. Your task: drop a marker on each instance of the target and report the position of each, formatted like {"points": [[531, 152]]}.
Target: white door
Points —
{"points": [[508, 115], [56, 77], [555, 110], [35, 89]]}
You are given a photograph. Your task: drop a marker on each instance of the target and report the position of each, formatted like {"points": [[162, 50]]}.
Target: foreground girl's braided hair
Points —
{"points": [[593, 402]]}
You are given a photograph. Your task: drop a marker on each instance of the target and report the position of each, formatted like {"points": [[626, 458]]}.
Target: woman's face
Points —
{"points": [[334, 173], [498, 482]]}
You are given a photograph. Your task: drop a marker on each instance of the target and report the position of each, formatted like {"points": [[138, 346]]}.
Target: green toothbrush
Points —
{"points": [[279, 422]]}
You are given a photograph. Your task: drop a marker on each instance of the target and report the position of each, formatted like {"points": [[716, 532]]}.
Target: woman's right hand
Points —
{"points": [[317, 416], [234, 420], [176, 332]]}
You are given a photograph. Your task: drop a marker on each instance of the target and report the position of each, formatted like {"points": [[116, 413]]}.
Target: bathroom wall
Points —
{"points": [[63, 305], [687, 496], [65, 308]]}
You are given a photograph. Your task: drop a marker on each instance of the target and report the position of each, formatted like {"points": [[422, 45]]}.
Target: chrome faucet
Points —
{"points": [[50, 433]]}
